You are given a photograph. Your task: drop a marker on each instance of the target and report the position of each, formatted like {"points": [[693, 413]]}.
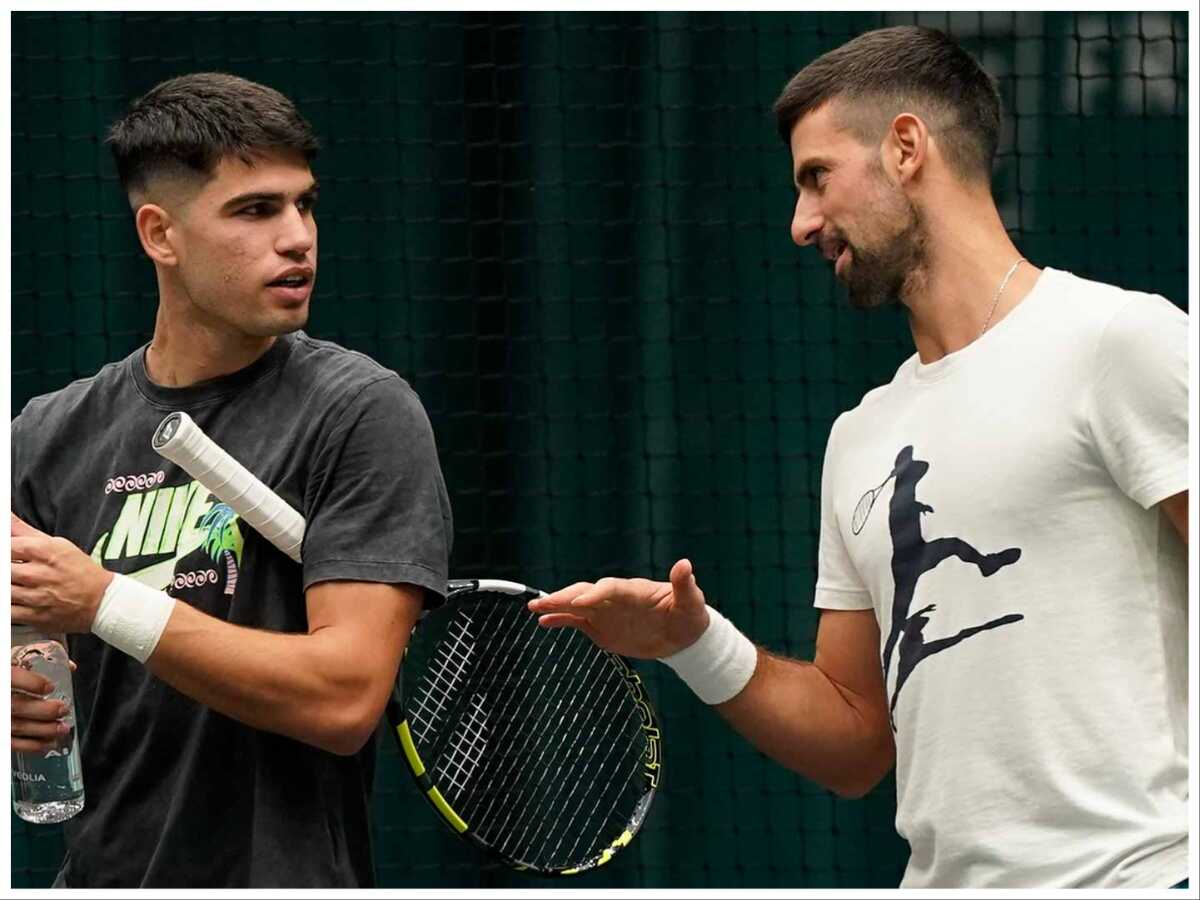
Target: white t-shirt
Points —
{"points": [[1038, 668]]}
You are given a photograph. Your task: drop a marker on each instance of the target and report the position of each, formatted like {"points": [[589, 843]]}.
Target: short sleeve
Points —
{"points": [[23, 498], [1138, 410], [376, 503], [839, 585]]}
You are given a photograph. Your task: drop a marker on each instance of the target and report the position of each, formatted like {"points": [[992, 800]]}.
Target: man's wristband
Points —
{"points": [[132, 617], [719, 664]]}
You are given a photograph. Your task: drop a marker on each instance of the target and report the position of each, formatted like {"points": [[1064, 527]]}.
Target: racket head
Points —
{"points": [[862, 511], [532, 743]]}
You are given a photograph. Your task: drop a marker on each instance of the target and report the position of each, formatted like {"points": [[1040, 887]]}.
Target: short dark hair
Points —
{"points": [[189, 123], [885, 72]]}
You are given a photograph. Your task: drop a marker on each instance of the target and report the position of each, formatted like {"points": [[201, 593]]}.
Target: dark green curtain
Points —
{"points": [[569, 232]]}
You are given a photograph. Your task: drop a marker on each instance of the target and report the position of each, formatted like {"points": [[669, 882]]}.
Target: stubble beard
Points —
{"points": [[217, 308], [882, 275]]}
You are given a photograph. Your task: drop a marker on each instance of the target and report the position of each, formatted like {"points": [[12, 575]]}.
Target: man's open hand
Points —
{"points": [[631, 616]]}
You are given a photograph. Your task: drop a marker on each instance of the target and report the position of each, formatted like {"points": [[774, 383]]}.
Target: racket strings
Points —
{"points": [[467, 747], [608, 780], [634, 764], [515, 750], [862, 511], [471, 680], [547, 705], [438, 686], [450, 678], [865, 504], [582, 770], [540, 743], [557, 773], [509, 752], [481, 681]]}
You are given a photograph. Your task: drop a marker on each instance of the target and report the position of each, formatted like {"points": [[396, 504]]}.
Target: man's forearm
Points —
{"points": [[326, 688], [795, 714], [316, 688]]}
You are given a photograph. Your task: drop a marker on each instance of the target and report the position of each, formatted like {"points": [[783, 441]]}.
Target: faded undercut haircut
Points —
{"points": [[881, 74], [186, 125]]}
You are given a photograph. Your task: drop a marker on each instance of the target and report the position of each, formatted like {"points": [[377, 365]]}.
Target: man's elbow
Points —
{"points": [[344, 743], [345, 728], [857, 787], [859, 779]]}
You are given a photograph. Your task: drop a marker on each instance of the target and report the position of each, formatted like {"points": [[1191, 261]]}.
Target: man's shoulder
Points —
{"points": [[84, 395], [336, 368], [1093, 305], [874, 400], [336, 384]]}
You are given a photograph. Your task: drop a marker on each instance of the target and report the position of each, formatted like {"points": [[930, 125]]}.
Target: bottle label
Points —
{"points": [[29, 776]]}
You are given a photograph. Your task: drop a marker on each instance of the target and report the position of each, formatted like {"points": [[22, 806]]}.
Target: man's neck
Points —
{"points": [[180, 354], [954, 298]]}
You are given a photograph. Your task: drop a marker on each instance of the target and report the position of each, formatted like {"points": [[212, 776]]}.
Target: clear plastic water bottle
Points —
{"points": [[47, 787]]}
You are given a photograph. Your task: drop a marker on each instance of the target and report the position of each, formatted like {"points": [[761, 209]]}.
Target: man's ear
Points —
{"points": [[906, 146], [153, 224]]}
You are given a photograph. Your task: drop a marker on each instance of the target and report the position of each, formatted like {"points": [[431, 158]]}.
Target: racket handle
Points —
{"points": [[184, 443]]}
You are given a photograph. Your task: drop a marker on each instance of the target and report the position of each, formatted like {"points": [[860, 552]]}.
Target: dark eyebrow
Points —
{"points": [[267, 197]]}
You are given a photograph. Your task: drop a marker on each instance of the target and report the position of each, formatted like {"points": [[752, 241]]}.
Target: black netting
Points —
{"points": [[569, 232]]}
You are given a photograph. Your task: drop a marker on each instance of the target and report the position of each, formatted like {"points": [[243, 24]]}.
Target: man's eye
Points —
{"points": [[306, 204], [256, 210], [813, 178]]}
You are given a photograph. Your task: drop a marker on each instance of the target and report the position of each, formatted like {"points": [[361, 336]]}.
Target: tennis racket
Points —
{"points": [[533, 744], [865, 504]]}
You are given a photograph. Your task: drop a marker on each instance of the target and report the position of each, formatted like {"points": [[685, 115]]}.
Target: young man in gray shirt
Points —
{"points": [[229, 743]]}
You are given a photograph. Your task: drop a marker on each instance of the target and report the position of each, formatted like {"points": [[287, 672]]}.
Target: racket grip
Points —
{"points": [[184, 443]]}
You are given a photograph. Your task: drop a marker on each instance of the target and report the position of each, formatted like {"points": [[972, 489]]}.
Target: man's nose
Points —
{"points": [[298, 235], [806, 221]]}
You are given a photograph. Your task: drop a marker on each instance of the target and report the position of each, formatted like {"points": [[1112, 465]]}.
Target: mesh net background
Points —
{"points": [[569, 232]]}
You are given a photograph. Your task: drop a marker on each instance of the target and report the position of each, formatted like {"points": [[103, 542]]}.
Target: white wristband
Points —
{"points": [[719, 664], [132, 617]]}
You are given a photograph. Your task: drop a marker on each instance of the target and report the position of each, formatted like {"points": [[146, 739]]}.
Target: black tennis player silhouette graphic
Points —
{"points": [[912, 557]]}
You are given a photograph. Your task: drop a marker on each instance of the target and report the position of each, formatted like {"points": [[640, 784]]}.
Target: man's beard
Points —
{"points": [[878, 276]]}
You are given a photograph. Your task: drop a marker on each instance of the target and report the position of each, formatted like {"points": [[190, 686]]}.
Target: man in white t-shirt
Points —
{"points": [[1002, 560]]}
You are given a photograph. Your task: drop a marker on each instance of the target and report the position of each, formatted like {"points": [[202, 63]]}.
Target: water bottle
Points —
{"points": [[47, 787]]}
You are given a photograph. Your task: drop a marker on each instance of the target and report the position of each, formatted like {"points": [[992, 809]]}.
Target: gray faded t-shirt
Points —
{"points": [[177, 794]]}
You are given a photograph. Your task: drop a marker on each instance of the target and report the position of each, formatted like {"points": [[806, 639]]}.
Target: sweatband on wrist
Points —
{"points": [[719, 664], [132, 616]]}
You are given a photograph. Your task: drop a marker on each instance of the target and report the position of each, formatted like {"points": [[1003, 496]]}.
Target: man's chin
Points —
{"points": [[869, 289], [283, 322], [295, 324], [872, 298]]}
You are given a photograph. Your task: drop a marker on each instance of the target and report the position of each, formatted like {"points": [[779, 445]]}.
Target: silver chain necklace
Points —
{"points": [[999, 291]]}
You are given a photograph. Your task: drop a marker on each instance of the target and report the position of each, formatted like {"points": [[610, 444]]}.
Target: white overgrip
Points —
{"points": [[179, 439]]}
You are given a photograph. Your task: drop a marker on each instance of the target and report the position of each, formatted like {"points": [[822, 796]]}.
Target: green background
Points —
{"points": [[569, 232]]}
